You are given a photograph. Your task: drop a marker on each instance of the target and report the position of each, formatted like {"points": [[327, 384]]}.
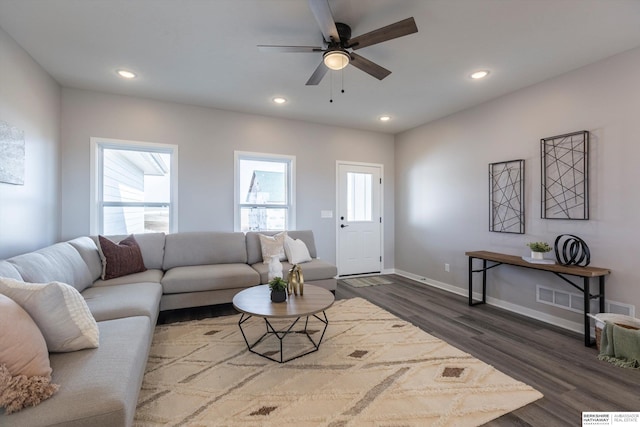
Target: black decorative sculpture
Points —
{"points": [[574, 251]]}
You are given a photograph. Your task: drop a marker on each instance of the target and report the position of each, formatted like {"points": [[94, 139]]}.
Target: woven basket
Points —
{"points": [[620, 320]]}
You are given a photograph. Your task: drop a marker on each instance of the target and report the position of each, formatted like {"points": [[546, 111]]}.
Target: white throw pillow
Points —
{"points": [[60, 312], [296, 251], [272, 246]]}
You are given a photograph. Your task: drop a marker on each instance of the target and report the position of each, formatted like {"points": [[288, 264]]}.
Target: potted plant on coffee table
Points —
{"points": [[538, 249], [278, 289]]}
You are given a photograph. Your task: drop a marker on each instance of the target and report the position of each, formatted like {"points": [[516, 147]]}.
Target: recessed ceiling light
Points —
{"points": [[279, 100], [479, 74], [125, 74], [384, 118]]}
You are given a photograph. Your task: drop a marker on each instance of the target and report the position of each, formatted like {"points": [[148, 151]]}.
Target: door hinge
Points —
{"points": [[380, 180], [380, 258], [380, 220]]}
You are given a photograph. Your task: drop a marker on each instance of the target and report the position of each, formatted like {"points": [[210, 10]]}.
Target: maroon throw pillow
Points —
{"points": [[120, 259]]}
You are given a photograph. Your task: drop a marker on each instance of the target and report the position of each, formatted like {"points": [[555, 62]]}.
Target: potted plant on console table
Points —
{"points": [[278, 289], [538, 249]]}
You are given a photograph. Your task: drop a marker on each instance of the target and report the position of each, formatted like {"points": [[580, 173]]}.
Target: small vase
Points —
{"points": [[275, 268], [537, 255], [278, 296]]}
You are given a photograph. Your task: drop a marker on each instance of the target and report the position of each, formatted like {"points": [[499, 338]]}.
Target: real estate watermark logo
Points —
{"points": [[626, 419]]}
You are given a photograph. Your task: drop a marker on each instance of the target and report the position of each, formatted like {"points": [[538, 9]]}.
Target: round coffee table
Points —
{"points": [[256, 302]]}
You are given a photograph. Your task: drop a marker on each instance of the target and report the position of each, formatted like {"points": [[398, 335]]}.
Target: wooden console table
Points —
{"points": [[586, 273]]}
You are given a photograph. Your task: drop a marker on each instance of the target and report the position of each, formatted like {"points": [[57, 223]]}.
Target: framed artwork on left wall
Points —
{"points": [[12, 154], [506, 197]]}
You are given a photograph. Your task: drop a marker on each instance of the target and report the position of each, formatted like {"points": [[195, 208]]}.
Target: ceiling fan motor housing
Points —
{"points": [[344, 31]]}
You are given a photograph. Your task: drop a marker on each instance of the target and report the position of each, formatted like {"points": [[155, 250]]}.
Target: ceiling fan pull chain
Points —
{"points": [[342, 77], [331, 87]]}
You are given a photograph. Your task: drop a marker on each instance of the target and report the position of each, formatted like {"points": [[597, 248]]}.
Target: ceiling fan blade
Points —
{"points": [[369, 67], [393, 31], [318, 74], [322, 13], [286, 49]]}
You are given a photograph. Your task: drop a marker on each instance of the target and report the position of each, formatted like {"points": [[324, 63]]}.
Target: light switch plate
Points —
{"points": [[326, 214]]}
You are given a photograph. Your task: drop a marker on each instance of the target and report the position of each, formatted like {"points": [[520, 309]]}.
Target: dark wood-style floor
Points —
{"points": [[550, 359]]}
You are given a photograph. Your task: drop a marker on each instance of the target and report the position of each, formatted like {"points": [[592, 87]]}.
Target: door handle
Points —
{"points": [[343, 226]]}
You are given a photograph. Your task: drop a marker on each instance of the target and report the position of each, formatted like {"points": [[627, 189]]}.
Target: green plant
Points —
{"points": [[277, 284], [539, 246]]}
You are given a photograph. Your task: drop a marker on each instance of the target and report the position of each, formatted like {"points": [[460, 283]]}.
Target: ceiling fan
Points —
{"points": [[338, 50]]}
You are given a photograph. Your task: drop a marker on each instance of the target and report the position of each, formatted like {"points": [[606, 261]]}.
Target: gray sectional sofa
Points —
{"points": [[99, 387]]}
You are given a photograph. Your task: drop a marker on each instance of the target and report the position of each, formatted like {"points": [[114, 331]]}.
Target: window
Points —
{"points": [[359, 196], [134, 187], [264, 192]]}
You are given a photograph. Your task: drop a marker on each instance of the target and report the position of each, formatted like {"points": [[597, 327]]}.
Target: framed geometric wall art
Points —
{"points": [[11, 154], [565, 176], [506, 197]]}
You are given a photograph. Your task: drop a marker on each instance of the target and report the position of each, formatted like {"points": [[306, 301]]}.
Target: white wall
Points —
{"points": [[207, 139], [30, 101], [442, 182]]}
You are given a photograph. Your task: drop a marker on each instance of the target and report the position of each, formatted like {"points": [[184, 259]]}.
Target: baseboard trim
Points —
{"points": [[514, 308]]}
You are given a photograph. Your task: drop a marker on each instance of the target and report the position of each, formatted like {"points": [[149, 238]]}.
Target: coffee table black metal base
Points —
{"points": [[283, 333]]}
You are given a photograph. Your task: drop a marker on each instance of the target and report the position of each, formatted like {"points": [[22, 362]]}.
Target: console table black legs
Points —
{"points": [[587, 306], [483, 270], [586, 273]]}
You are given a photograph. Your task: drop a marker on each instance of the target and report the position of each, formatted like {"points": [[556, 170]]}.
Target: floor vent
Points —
{"points": [[574, 302]]}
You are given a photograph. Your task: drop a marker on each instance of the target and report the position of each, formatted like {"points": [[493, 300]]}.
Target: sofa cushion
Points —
{"points": [[152, 247], [57, 263], [316, 269], [59, 311], [209, 277], [204, 248], [99, 387], [9, 270], [118, 301], [149, 276], [254, 251], [88, 250]]}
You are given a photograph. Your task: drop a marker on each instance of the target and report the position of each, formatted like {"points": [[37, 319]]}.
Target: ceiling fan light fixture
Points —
{"points": [[336, 59]]}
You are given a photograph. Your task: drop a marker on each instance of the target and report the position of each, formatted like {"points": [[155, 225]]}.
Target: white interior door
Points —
{"points": [[359, 219]]}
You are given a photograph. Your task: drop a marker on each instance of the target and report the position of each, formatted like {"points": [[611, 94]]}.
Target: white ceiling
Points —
{"points": [[203, 52]]}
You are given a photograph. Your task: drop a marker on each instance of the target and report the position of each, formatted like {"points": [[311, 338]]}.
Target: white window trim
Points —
{"points": [[291, 220], [95, 181]]}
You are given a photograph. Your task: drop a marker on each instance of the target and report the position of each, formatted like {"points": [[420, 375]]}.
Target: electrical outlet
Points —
{"points": [[447, 268]]}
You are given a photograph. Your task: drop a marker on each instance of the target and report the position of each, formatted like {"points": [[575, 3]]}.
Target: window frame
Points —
{"points": [[290, 206], [96, 209]]}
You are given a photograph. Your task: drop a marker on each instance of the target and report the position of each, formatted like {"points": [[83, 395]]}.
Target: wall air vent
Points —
{"points": [[574, 302]]}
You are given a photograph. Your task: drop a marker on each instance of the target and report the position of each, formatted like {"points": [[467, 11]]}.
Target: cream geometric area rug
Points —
{"points": [[372, 369]]}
